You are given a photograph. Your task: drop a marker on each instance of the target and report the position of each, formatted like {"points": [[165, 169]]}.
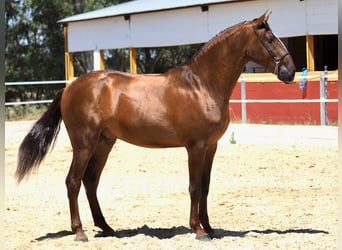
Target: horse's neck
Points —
{"points": [[221, 63]]}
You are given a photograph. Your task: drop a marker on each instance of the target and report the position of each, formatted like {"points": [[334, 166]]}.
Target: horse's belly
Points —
{"points": [[145, 135], [164, 133]]}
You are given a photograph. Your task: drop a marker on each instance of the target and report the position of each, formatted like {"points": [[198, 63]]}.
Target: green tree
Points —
{"points": [[99, 4], [159, 60], [34, 46]]}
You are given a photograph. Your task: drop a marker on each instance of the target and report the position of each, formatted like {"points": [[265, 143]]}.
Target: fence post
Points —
{"points": [[327, 121], [243, 100], [323, 95]]}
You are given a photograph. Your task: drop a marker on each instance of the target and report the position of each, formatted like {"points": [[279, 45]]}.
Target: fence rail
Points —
{"points": [[30, 83], [283, 101], [323, 78], [35, 83]]}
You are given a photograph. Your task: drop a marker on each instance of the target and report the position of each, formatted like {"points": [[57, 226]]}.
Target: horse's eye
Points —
{"points": [[270, 39]]}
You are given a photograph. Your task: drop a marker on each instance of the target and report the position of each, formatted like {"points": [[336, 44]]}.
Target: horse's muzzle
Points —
{"points": [[286, 74]]}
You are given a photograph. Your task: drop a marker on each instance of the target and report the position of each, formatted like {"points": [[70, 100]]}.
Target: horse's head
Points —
{"points": [[267, 50]]}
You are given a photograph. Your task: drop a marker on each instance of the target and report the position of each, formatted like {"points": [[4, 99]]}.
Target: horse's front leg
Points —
{"points": [[203, 208], [196, 159]]}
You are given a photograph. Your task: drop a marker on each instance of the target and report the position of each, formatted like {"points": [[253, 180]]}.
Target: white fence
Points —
{"points": [[323, 78], [30, 84]]}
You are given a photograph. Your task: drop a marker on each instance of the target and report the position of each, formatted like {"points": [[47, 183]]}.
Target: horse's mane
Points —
{"points": [[216, 39]]}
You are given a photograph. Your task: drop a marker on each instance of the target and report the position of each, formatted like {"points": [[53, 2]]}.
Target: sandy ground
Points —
{"points": [[276, 188]]}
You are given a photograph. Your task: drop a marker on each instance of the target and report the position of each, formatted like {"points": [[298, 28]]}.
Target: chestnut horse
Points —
{"points": [[185, 107]]}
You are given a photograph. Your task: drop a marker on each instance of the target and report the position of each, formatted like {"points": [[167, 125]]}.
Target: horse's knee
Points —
{"points": [[195, 191]]}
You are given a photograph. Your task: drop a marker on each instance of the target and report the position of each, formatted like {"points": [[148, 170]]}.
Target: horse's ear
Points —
{"points": [[262, 20], [267, 15]]}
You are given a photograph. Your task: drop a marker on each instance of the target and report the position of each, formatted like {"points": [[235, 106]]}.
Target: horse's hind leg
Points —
{"points": [[73, 182], [91, 180]]}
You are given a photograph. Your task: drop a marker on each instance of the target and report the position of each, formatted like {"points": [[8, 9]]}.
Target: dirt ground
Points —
{"points": [[262, 196]]}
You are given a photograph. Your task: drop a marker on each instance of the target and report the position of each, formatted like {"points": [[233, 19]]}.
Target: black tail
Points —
{"points": [[40, 138]]}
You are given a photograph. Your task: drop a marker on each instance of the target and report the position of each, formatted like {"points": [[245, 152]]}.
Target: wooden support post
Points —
{"points": [[310, 53], [102, 64], [69, 66], [68, 58], [133, 60]]}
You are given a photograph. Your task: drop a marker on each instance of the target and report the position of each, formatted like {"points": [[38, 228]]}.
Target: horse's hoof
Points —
{"points": [[110, 233], [204, 237], [81, 237], [211, 234]]}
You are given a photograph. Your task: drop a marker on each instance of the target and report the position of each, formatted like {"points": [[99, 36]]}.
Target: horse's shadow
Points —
{"points": [[167, 233], [221, 233]]}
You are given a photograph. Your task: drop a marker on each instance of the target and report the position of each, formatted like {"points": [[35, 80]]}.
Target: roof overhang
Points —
{"points": [[142, 6]]}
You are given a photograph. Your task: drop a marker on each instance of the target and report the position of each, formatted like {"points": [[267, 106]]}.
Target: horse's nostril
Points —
{"points": [[286, 75]]}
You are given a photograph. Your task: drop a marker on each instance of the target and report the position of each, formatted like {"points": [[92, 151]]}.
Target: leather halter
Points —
{"points": [[276, 59]]}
